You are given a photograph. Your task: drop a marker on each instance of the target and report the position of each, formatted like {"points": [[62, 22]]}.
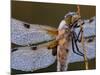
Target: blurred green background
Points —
{"points": [[50, 14]]}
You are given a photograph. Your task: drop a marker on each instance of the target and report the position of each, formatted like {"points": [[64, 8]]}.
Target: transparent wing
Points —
{"points": [[26, 59], [91, 51], [23, 33], [89, 29]]}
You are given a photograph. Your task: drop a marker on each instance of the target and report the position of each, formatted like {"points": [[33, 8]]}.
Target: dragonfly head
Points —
{"points": [[71, 17]]}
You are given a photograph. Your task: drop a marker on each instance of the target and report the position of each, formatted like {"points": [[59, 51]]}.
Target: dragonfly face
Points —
{"points": [[71, 18]]}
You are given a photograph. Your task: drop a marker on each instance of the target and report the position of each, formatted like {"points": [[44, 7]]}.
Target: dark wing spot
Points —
{"points": [[34, 48], [15, 49], [90, 40], [67, 50], [54, 51], [91, 20], [26, 25]]}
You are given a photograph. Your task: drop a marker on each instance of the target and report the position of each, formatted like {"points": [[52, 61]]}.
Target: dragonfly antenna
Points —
{"points": [[82, 41]]}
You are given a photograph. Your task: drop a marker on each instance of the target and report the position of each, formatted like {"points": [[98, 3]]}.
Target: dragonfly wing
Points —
{"points": [[91, 52], [89, 28], [26, 59], [32, 34], [89, 42]]}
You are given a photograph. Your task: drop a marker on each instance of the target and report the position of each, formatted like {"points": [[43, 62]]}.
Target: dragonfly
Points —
{"points": [[37, 45]]}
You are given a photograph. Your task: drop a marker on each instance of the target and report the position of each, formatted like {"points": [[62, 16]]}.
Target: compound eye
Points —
{"points": [[68, 20]]}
